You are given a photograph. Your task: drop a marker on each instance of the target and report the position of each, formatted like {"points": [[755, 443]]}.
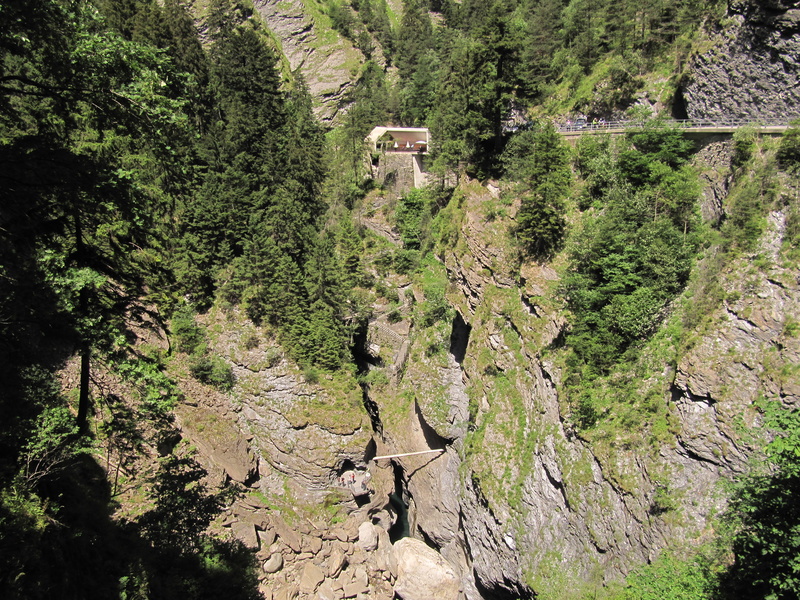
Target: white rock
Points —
{"points": [[423, 573], [367, 537]]}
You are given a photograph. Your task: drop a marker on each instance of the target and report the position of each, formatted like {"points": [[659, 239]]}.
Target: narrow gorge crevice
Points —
{"points": [[399, 499], [364, 362], [433, 440], [509, 591], [459, 338]]}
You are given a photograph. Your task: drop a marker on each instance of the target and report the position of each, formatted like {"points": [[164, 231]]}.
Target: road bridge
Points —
{"points": [[692, 127]]}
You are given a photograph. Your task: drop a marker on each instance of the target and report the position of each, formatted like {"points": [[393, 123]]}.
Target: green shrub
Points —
{"points": [[746, 216], [311, 375], [744, 144], [434, 308], [158, 392], [406, 261], [52, 445], [410, 212], [187, 334], [212, 370], [789, 149], [251, 341], [670, 577]]}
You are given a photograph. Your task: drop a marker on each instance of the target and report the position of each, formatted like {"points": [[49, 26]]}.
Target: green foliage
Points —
{"points": [[461, 119], [91, 122], [52, 446], [187, 334], [434, 308], [410, 211], [414, 37], [311, 375], [539, 160], [159, 393], [670, 576], [633, 256], [374, 15], [744, 145], [747, 204], [789, 149], [251, 233], [342, 19], [418, 97], [211, 369], [792, 236], [765, 517]]}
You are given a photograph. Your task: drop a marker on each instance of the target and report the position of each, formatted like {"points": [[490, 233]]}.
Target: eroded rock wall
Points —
{"points": [[752, 72], [520, 501], [325, 59]]}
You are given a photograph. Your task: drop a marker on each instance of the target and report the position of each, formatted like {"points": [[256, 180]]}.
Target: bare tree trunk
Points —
{"points": [[85, 348], [83, 396]]}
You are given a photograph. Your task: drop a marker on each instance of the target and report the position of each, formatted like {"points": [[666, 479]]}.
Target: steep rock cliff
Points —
{"points": [[752, 72], [520, 500], [321, 55], [274, 427]]}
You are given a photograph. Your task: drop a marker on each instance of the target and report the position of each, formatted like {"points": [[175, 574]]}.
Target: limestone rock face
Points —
{"points": [[744, 356], [274, 429], [422, 573], [478, 261], [297, 429], [753, 70], [501, 504], [324, 58]]}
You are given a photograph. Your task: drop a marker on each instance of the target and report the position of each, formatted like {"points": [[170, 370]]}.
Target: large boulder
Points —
{"points": [[274, 563], [423, 573], [367, 536]]}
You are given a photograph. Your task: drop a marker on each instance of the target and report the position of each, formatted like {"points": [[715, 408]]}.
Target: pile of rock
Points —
{"points": [[355, 559]]}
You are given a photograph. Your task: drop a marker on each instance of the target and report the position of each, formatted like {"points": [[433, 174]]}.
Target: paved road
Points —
{"points": [[579, 127]]}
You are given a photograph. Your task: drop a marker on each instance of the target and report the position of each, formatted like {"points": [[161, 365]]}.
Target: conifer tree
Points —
{"points": [[414, 38]]}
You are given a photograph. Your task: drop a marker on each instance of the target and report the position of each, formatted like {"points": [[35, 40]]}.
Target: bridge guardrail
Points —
{"points": [[681, 123]]}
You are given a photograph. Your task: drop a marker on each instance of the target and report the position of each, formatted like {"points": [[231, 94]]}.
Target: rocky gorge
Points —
{"points": [[512, 510], [534, 336], [517, 503]]}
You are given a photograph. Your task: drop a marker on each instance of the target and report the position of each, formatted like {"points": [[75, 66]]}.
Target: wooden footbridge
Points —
{"points": [[387, 456]]}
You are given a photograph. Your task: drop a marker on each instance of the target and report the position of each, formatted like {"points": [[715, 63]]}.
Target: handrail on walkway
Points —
{"points": [[697, 124]]}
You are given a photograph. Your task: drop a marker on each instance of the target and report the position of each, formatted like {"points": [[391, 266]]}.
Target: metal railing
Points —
{"points": [[579, 126]]}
